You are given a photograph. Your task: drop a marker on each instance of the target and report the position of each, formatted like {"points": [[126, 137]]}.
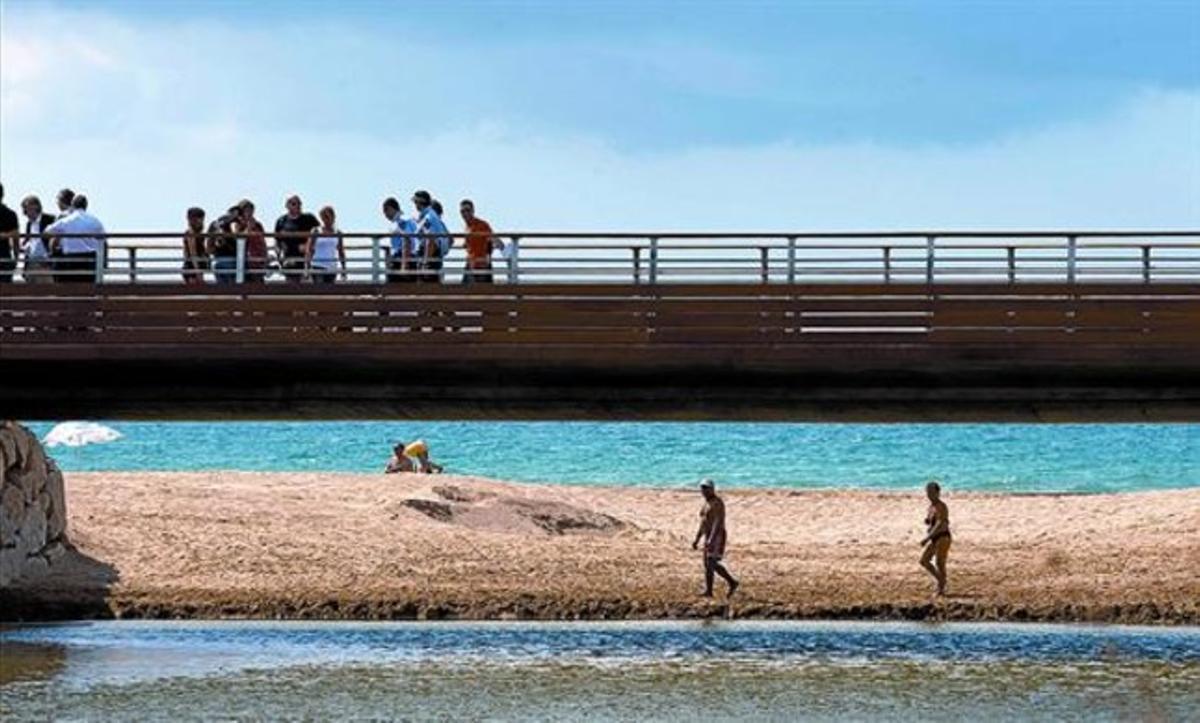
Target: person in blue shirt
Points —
{"points": [[435, 239], [404, 252]]}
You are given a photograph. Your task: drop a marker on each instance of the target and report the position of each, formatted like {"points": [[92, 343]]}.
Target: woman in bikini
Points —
{"points": [[937, 540]]}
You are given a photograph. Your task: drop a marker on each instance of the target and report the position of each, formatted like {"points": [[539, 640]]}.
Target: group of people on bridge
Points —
{"points": [[71, 245]]}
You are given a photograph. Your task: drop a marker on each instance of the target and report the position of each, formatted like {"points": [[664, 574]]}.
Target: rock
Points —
{"points": [[557, 518], [33, 507], [459, 494], [32, 536], [54, 552], [56, 523], [27, 483], [8, 446], [22, 443], [12, 513], [437, 510], [34, 463], [12, 564], [35, 565]]}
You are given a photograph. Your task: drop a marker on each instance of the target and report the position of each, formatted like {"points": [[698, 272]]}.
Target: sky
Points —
{"points": [[756, 116]]}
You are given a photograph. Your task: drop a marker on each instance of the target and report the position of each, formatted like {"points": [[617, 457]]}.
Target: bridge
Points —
{"points": [[1059, 326]]}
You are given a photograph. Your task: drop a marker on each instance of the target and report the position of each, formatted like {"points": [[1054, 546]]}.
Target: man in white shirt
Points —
{"points": [[79, 237]]}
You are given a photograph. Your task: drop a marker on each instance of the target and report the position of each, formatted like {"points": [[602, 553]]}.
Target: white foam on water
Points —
{"points": [[78, 434]]}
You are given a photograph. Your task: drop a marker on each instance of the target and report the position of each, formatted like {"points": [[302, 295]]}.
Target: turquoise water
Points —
{"points": [[998, 457], [597, 671]]}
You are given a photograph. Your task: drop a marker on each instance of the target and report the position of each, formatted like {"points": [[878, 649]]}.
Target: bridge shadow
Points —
{"points": [[77, 586]]}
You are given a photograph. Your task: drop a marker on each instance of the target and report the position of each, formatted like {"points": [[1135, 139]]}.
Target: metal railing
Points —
{"points": [[662, 258]]}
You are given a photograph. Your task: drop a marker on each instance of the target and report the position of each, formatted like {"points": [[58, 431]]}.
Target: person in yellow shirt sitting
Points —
{"points": [[411, 457]]}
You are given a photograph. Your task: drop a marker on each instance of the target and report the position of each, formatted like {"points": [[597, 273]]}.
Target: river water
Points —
{"points": [[596, 671]]}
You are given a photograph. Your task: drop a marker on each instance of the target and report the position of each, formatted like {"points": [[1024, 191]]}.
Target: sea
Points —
{"points": [[1067, 458]]}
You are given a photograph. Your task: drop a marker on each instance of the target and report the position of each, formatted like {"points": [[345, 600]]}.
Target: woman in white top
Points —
{"points": [[325, 254]]}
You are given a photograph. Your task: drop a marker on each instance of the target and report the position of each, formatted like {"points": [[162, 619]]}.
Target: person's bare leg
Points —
{"points": [[943, 552], [709, 571], [926, 561], [720, 570]]}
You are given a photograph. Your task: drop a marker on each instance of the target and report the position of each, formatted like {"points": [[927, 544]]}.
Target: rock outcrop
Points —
{"points": [[503, 513], [33, 512]]}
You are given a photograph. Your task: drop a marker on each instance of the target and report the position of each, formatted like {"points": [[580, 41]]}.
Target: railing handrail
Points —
{"points": [[662, 235], [655, 257]]}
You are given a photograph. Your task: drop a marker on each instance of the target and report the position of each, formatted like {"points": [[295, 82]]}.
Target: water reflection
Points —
{"points": [[29, 661], [607, 671]]}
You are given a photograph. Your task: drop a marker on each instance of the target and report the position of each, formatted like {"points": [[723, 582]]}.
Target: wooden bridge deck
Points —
{"points": [[942, 351]]}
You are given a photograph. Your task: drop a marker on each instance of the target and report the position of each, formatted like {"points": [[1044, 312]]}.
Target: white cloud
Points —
{"points": [[138, 126]]}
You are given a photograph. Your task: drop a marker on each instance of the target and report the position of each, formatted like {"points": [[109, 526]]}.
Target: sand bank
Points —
{"points": [[239, 544]]}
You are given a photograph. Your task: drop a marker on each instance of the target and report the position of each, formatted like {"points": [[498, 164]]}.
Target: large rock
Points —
{"points": [[33, 511]]}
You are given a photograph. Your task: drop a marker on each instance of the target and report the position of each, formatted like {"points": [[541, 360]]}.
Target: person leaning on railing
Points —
{"points": [[325, 252], [37, 244], [435, 241], [251, 230], [222, 246], [9, 228], [401, 258], [292, 232], [79, 239], [480, 243], [195, 253]]}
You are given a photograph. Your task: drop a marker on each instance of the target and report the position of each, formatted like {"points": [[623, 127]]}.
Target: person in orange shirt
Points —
{"points": [[480, 244]]}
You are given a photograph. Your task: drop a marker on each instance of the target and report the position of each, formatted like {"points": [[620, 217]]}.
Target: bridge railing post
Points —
{"points": [[930, 250], [791, 255], [764, 262], [653, 259], [514, 256], [376, 260], [887, 264], [637, 264], [133, 264], [1071, 259], [101, 259], [1012, 264], [1146, 263], [241, 260]]}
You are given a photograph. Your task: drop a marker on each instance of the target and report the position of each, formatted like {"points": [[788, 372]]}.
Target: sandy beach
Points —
{"points": [[337, 546]]}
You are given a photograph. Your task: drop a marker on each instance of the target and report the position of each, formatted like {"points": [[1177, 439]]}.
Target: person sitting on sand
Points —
{"points": [[712, 530], [937, 541], [411, 457]]}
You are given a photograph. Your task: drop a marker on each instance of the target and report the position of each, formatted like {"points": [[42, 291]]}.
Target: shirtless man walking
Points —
{"points": [[937, 541], [712, 531]]}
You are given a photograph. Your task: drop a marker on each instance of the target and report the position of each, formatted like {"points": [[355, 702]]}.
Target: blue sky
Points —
{"points": [[614, 115]]}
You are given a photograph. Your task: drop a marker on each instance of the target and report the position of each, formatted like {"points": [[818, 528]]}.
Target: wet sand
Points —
{"points": [[337, 546]]}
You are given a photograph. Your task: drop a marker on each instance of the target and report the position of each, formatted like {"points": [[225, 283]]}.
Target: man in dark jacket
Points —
{"points": [[38, 268], [9, 228]]}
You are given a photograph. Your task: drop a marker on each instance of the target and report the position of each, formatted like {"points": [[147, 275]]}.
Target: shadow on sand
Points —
{"points": [[77, 586]]}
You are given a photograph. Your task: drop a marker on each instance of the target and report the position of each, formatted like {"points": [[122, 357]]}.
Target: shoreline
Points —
{"points": [[337, 546]]}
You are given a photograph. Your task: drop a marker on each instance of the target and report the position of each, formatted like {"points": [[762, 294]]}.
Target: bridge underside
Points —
{"points": [[846, 384], [779, 352]]}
